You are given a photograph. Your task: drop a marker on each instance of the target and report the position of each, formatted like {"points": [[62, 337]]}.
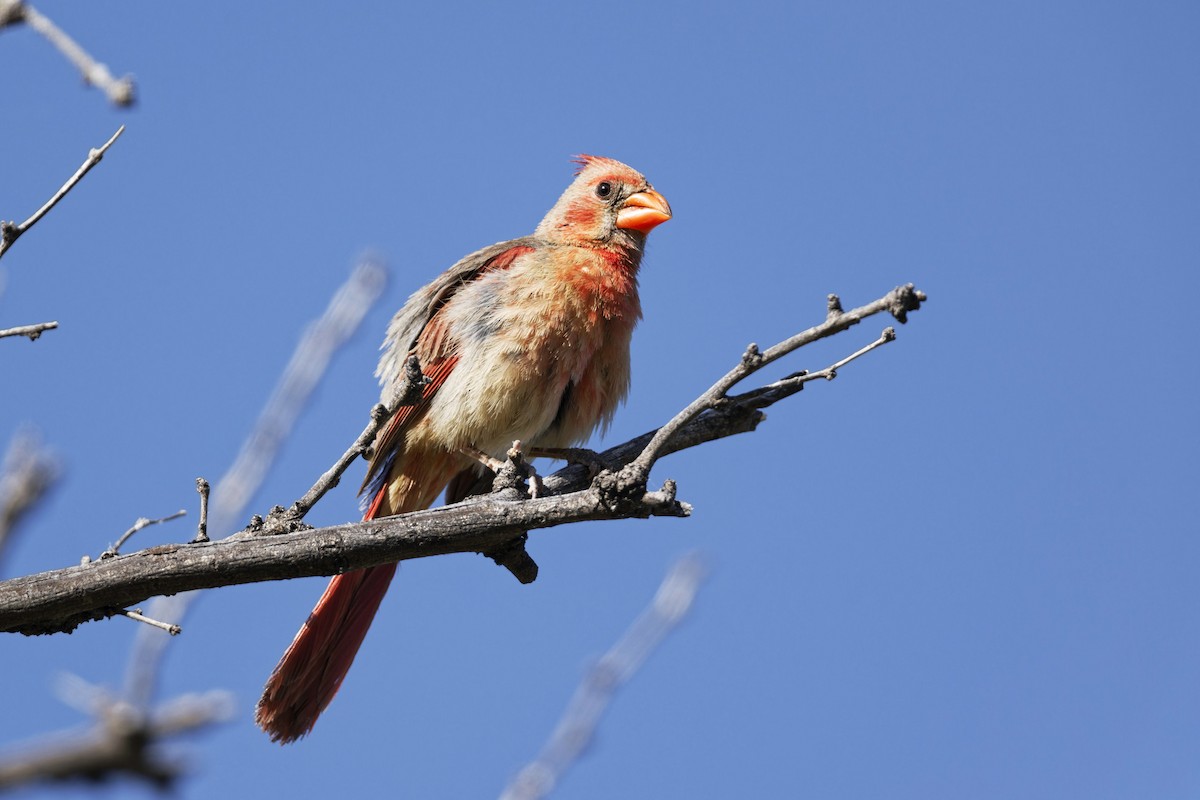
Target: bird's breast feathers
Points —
{"points": [[556, 317]]}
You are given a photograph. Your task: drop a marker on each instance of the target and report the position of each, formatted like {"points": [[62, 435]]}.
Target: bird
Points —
{"points": [[526, 340]]}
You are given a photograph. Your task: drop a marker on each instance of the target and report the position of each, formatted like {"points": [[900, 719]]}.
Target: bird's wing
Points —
{"points": [[421, 328]]}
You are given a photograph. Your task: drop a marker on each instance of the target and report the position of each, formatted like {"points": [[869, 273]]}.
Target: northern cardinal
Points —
{"points": [[524, 340]]}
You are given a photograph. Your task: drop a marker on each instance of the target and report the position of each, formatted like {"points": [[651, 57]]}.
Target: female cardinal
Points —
{"points": [[527, 339]]}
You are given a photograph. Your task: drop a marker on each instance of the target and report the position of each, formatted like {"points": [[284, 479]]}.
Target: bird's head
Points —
{"points": [[609, 204]]}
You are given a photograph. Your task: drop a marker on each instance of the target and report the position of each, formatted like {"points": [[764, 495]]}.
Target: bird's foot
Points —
{"points": [[512, 472], [516, 457], [572, 455]]}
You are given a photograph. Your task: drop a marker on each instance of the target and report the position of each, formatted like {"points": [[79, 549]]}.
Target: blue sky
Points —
{"points": [[966, 568]]}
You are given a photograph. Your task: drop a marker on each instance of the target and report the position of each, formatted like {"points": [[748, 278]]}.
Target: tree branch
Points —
{"points": [[34, 332], [122, 741], [29, 471], [898, 302], [9, 232], [62, 599], [120, 91]]}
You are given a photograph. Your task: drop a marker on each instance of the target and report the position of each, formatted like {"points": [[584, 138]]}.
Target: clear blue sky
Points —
{"points": [[966, 568]]}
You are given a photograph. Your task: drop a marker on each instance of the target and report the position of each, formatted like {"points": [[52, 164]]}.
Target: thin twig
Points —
{"points": [[34, 332], [202, 528], [9, 233], [407, 392], [577, 727], [899, 302], [142, 522], [120, 91], [793, 383], [136, 614]]}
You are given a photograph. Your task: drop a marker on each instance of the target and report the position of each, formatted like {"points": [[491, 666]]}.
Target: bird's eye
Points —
{"points": [[603, 190]]}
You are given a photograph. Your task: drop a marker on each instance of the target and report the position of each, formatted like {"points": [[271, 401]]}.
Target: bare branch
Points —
{"points": [[9, 233], [137, 616], [142, 522], [120, 91], [407, 392], [202, 488], [34, 332], [898, 302], [62, 599], [793, 383], [577, 728]]}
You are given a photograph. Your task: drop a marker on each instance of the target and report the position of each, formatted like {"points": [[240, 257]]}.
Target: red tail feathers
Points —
{"points": [[310, 672], [312, 669]]}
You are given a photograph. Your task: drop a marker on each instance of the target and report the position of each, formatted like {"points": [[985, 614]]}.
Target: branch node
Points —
{"points": [[279, 520], [663, 503], [623, 491], [903, 299], [752, 357], [833, 306]]}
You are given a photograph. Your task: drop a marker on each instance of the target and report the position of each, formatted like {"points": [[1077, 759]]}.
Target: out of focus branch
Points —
{"points": [[9, 232], [28, 473], [123, 742], [120, 91], [232, 492], [62, 599], [127, 736], [577, 727]]}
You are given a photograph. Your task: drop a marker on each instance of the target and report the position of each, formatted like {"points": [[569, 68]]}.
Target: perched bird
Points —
{"points": [[524, 340]]}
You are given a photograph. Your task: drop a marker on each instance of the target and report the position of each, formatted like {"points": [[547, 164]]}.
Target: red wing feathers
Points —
{"points": [[404, 416], [436, 343]]}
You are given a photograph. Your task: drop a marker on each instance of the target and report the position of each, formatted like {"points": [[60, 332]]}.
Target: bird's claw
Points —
{"points": [[573, 455], [511, 472], [516, 457]]}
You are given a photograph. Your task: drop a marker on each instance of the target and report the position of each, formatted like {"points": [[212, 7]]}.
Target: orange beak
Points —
{"points": [[643, 211]]}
